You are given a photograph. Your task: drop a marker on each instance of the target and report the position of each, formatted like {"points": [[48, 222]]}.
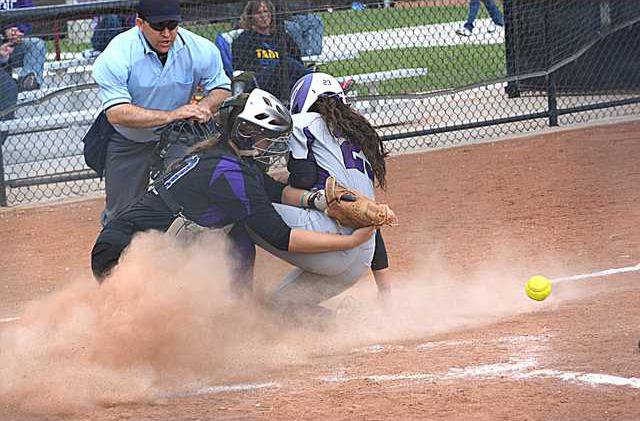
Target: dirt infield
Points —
{"points": [[162, 340]]}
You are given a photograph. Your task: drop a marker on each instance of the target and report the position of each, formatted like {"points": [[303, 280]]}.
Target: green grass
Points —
{"points": [[67, 46], [449, 67], [211, 30], [348, 21]]}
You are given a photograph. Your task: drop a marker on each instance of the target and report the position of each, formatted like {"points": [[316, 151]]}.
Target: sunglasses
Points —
{"points": [[161, 26]]}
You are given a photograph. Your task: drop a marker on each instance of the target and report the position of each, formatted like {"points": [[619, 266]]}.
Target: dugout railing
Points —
{"points": [[556, 62]]}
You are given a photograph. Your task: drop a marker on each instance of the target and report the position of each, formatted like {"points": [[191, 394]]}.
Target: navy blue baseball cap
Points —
{"points": [[156, 11]]}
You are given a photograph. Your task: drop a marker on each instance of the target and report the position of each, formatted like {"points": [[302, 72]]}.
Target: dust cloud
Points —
{"points": [[164, 322], [167, 323], [435, 296]]}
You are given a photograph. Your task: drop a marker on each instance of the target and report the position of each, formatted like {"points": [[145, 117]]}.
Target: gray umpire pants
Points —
{"points": [[126, 173]]}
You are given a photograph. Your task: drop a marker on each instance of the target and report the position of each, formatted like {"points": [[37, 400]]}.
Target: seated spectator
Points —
{"points": [[29, 52], [265, 49], [8, 86], [306, 28], [107, 27], [224, 41]]}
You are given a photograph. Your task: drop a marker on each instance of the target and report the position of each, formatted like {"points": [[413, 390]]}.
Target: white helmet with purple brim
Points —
{"points": [[312, 86]]}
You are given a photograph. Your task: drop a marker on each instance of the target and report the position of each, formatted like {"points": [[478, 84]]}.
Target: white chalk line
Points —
{"points": [[601, 273], [9, 319], [504, 340], [508, 340], [237, 387], [593, 379], [518, 369], [515, 369]]}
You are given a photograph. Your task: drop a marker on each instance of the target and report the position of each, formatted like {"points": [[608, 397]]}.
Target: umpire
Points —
{"points": [[147, 77]]}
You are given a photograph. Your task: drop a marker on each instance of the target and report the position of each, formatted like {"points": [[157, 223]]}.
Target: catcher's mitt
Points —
{"points": [[352, 209]]}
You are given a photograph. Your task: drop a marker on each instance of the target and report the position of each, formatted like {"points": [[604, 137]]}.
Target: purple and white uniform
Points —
{"points": [[320, 276]]}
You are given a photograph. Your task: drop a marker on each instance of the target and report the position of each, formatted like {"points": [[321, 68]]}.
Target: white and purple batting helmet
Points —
{"points": [[310, 87]]}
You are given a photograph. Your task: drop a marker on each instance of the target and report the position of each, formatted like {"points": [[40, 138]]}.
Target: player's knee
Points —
{"points": [[110, 244]]}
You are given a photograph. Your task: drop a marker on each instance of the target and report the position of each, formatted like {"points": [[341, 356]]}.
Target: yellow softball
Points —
{"points": [[538, 287]]}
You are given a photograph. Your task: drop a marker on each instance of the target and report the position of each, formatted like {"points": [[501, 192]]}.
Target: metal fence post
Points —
{"points": [[3, 186], [552, 103], [552, 100]]}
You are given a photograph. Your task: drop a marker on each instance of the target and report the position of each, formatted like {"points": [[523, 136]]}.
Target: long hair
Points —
{"points": [[247, 19], [348, 123]]}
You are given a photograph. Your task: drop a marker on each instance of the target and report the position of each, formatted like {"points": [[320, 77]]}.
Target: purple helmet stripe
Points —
{"points": [[300, 95]]}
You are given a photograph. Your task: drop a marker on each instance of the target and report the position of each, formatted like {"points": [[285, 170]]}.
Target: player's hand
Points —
{"points": [[191, 111], [361, 235], [206, 112], [6, 49], [14, 35]]}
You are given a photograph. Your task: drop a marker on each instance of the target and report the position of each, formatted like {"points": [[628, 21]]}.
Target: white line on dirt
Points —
{"points": [[240, 387], [9, 319], [593, 379], [607, 272], [236, 388], [514, 370], [484, 370], [511, 340]]}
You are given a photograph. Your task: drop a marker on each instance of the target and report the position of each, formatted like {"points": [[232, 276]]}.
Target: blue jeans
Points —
{"points": [[474, 8], [30, 54], [8, 93], [307, 30]]}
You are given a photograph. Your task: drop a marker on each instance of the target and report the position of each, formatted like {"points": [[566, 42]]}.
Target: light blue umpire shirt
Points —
{"points": [[128, 71]]}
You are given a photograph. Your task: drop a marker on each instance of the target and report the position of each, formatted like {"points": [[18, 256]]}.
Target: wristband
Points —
{"points": [[304, 200]]}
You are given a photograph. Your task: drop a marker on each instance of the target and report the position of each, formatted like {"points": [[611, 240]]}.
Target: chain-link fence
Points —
{"points": [[421, 71]]}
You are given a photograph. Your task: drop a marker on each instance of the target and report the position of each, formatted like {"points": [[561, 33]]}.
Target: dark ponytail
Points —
{"points": [[341, 118]]}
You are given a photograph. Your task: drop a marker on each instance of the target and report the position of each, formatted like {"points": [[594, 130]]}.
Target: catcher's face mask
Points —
{"points": [[260, 144], [261, 129]]}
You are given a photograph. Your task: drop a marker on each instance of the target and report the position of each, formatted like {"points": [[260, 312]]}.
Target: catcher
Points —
{"points": [[334, 149]]}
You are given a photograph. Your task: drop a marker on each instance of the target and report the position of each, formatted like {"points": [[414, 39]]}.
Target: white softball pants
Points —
{"points": [[318, 276]]}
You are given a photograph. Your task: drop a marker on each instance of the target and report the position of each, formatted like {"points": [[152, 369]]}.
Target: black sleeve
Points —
{"points": [[303, 173], [271, 228], [380, 260], [273, 188], [262, 217]]}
